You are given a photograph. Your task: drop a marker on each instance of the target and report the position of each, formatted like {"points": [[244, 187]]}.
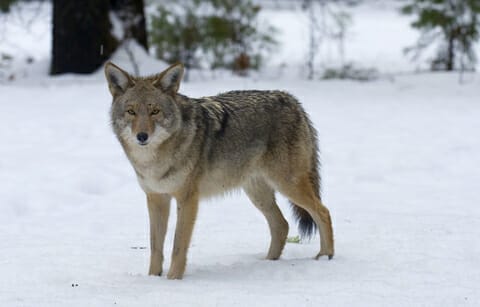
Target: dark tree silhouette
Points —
{"points": [[82, 38]]}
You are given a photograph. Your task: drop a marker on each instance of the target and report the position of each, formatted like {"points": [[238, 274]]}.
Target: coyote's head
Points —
{"points": [[144, 110]]}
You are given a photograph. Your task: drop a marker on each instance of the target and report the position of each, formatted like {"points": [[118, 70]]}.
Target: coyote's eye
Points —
{"points": [[155, 111], [131, 112]]}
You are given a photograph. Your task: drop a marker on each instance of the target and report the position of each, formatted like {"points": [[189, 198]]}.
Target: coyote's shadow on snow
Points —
{"points": [[256, 267]]}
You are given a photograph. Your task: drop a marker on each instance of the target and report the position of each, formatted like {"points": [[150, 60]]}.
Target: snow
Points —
{"points": [[365, 44], [400, 177], [400, 173]]}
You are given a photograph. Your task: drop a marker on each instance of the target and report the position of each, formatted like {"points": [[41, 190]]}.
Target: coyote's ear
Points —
{"points": [[169, 80], [118, 79]]}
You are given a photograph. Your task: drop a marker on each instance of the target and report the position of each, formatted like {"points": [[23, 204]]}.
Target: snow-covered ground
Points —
{"points": [[400, 175], [400, 170]]}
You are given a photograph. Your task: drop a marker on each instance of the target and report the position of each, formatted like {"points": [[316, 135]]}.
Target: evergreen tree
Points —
{"points": [[233, 38], [218, 33], [453, 25], [175, 33]]}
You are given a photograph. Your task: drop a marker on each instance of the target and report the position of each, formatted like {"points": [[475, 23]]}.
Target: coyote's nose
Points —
{"points": [[142, 137]]}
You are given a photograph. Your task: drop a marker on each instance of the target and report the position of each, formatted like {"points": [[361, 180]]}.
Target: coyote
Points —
{"points": [[191, 148]]}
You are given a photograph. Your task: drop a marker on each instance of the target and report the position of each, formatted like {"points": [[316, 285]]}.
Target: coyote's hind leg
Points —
{"points": [[302, 193], [263, 197]]}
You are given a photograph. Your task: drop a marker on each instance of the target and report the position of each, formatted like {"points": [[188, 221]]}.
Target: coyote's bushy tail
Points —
{"points": [[306, 225]]}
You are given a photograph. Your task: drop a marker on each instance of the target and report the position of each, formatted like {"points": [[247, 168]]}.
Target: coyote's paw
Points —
{"points": [[176, 271], [272, 257], [155, 271], [156, 263], [174, 275], [321, 253]]}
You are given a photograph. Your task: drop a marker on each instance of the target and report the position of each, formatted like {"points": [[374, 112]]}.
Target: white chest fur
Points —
{"points": [[154, 174]]}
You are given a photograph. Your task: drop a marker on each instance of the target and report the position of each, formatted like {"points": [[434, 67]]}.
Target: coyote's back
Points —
{"points": [[247, 133], [187, 148]]}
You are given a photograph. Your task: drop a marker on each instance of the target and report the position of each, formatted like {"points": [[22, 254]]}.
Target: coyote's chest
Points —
{"points": [[154, 174]]}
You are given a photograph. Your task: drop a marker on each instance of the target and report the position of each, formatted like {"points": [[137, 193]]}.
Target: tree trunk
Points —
{"points": [[132, 15], [81, 36], [5, 5], [451, 53]]}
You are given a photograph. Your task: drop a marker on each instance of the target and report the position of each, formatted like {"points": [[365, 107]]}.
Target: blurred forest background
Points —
{"points": [[229, 35]]}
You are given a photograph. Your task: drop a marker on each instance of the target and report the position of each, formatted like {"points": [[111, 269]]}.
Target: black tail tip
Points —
{"points": [[306, 224]]}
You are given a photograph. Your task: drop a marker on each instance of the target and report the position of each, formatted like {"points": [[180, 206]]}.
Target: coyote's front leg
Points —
{"points": [[187, 207], [158, 210]]}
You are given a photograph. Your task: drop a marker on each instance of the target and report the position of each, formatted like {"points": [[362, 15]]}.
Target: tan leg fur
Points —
{"points": [[158, 211], [263, 197], [301, 192], [187, 207]]}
